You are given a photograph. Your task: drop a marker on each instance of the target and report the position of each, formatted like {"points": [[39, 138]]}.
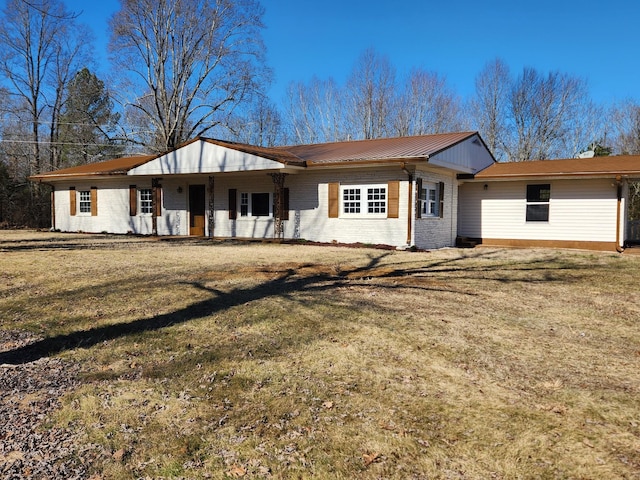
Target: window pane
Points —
{"points": [[376, 200], [538, 213], [244, 204], [260, 204], [538, 193], [351, 200]]}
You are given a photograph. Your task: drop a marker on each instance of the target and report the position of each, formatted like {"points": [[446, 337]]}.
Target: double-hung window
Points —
{"points": [[538, 196], [146, 200], [85, 201], [429, 200], [364, 200]]}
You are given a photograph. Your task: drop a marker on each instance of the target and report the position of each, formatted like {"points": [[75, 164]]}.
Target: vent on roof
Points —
{"points": [[587, 154]]}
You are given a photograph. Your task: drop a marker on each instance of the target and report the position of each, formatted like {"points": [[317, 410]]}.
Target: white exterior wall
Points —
{"points": [[113, 208], [309, 209], [436, 232], [579, 210]]}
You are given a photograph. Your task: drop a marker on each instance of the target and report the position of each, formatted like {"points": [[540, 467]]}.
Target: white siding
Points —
{"points": [[469, 156], [199, 157], [579, 210]]}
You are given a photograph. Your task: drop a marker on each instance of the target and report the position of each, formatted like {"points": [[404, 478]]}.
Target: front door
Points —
{"points": [[196, 210]]}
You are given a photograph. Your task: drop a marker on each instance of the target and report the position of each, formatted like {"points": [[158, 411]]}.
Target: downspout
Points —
{"points": [[619, 249], [410, 204]]}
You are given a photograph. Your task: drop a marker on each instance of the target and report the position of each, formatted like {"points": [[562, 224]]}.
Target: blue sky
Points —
{"points": [[592, 39]]}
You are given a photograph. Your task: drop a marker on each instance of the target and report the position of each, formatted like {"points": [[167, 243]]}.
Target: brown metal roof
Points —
{"points": [[271, 153], [376, 150], [118, 166], [623, 165], [329, 154]]}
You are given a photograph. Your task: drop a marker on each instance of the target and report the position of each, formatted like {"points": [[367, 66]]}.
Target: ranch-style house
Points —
{"points": [[426, 192]]}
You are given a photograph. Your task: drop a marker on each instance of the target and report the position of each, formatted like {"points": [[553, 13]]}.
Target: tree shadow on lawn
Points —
{"points": [[288, 282]]}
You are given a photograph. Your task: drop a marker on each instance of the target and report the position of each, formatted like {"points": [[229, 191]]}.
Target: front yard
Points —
{"points": [[203, 359]]}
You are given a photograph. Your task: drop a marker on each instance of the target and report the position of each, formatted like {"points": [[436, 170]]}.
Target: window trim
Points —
{"points": [[363, 203], [539, 200], [426, 201]]}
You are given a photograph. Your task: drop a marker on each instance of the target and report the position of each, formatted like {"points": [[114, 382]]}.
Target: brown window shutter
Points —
{"points": [[419, 198], [441, 205], [94, 201], [72, 201], [393, 196], [334, 202], [157, 200], [233, 203], [133, 201], [285, 204]]}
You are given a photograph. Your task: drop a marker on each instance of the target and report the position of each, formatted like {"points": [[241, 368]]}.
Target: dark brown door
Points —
{"points": [[196, 210]]}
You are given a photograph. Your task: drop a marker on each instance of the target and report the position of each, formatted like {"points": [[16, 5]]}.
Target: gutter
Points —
{"points": [[409, 209], [619, 248]]}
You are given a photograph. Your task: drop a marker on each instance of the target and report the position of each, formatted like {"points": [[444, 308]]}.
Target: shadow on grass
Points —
{"points": [[287, 283]]}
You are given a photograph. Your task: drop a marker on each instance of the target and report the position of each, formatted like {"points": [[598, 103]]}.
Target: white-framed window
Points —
{"points": [[363, 200], [244, 204], [146, 201], [538, 196], [256, 204], [429, 200], [85, 201]]}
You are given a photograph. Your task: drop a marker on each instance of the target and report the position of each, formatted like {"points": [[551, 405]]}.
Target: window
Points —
{"points": [[351, 200], [429, 200], [244, 204], [146, 200], [85, 201], [260, 204], [364, 200], [376, 200], [255, 204], [538, 202]]}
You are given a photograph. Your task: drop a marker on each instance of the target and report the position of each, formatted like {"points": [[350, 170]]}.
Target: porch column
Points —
{"points": [[211, 206], [279, 204], [156, 204]]}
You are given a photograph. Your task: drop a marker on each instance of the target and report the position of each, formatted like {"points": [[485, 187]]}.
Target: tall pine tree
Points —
{"points": [[88, 122]]}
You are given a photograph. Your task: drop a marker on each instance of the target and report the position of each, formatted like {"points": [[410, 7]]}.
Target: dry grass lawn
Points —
{"points": [[218, 360]]}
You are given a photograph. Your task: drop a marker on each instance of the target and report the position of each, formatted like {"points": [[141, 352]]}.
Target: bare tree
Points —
{"points": [[426, 105], [260, 125], [41, 47], [38, 52], [625, 127], [317, 111], [489, 106], [542, 110], [370, 95], [189, 62]]}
